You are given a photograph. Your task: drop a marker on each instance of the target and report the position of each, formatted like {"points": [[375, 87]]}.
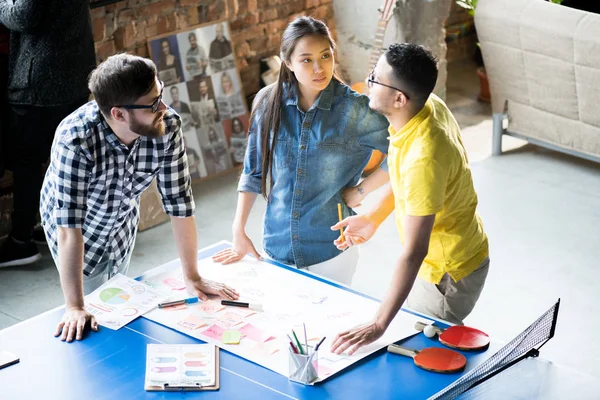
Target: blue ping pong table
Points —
{"points": [[111, 365]]}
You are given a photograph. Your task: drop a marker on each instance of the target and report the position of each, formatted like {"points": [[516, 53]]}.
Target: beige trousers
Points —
{"points": [[449, 300]]}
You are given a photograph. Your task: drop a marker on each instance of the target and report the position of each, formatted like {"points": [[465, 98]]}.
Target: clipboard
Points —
{"points": [[188, 388]]}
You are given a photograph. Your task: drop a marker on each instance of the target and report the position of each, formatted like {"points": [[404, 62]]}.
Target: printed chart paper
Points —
{"points": [[191, 365], [288, 299], [121, 300]]}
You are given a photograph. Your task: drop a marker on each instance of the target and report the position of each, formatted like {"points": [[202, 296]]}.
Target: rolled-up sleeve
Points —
{"points": [[173, 179], [251, 178], [373, 130], [71, 186]]}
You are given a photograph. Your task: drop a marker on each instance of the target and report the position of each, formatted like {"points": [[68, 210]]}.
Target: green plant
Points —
{"points": [[470, 5]]}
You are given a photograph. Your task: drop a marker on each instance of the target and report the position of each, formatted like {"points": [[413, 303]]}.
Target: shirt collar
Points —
{"points": [[290, 93], [110, 136], [422, 115]]}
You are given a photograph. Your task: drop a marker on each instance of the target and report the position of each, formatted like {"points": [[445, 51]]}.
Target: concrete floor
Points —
{"points": [[540, 210]]}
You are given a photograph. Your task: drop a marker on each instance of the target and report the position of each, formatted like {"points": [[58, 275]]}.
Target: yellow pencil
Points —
{"points": [[340, 216]]}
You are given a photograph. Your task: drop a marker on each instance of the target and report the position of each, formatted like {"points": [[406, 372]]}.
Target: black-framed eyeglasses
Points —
{"points": [[371, 80], [154, 106]]}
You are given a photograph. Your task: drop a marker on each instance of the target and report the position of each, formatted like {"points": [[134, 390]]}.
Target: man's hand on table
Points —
{"points": [[203, 287], [73, 324], [357, 337]]}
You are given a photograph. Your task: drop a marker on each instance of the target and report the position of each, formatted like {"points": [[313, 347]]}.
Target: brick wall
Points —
{"points": [[256, 27]]}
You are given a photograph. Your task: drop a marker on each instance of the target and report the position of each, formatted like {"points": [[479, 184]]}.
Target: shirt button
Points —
{"points": [[295, 237], [303, 147], [306, 124], [300, 171], [296, 215], [297, 191]]}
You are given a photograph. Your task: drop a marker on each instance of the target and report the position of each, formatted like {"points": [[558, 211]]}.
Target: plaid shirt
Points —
{"points": [[94, 182]]}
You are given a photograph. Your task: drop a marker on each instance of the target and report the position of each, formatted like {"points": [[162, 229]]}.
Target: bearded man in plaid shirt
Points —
{"points": [[103, 157]]}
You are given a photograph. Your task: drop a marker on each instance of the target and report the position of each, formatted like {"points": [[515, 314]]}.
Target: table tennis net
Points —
{"points": [[522, 346]]}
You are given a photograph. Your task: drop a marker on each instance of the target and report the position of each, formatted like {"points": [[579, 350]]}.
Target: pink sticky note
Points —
{"points": [[174, 284], [323, 371], [253, 333], [264, 349], [244, 312], [191, 322], [214, 332], [211, 306], [231, 319]]}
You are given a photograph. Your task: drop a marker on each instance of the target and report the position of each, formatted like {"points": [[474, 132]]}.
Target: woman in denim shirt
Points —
{"points": [[322, 136]]}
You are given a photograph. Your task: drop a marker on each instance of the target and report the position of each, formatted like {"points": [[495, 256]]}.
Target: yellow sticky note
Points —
{"points": [[232, 337]]}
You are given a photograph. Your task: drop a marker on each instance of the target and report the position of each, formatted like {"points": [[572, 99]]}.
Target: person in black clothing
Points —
{"points": [[4, 108], [592, 6], [182, 108], [220, 46], [168, 64], [220, 54], [51, 56], [177, 104]]}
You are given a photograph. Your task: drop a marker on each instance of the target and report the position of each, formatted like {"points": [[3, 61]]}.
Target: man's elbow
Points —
{"points": [[416, 256], [69, 236]]}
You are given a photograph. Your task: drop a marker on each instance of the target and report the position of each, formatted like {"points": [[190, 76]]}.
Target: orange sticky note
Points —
{"points": [[191, 322], [211, 306], [231, 319]]}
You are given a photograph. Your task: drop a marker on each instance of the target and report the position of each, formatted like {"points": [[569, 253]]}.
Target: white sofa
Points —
{"points": [[543, 66]]}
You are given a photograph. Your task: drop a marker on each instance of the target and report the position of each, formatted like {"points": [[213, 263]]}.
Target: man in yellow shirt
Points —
{"points": [[445, 254]]}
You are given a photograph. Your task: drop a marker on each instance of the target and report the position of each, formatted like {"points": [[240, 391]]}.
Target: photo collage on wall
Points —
{"points": [[203, 86]]}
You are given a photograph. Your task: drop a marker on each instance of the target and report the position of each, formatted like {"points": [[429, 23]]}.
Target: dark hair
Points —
{"points": [[174, 88], [269, 100], [414, 67], [236, 119], [121, 79], [192, 34]]}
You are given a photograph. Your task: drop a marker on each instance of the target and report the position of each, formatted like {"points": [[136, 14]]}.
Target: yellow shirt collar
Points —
{"points": [[396, 136]]}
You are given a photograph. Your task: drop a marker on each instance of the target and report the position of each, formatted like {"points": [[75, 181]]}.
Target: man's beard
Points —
{"points": [[157, 129]]}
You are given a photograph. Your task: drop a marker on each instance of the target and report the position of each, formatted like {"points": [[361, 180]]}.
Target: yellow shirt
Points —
{"points": [[430, 174]]}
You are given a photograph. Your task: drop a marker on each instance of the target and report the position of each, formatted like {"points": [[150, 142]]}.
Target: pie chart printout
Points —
{"points": [[114, 296]]}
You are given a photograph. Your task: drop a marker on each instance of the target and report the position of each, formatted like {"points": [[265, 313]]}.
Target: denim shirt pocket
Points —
{"points": [[335, 154], [281, 155]]}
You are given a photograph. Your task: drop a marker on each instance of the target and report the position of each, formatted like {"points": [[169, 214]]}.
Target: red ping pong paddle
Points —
{"points": [[436, 359], [460, 337]]}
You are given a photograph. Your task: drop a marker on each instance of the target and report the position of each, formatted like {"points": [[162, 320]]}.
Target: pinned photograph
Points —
{"points": [[202, 98], [176, 97], [214, 148], [229, 99], [165, 54], [194, 55]]}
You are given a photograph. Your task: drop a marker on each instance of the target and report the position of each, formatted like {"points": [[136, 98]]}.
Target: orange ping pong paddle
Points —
{"points": [[436, 359], [460, 337]]}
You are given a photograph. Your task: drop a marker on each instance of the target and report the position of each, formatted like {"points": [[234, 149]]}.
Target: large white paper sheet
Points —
{"points": [[289, 299]]}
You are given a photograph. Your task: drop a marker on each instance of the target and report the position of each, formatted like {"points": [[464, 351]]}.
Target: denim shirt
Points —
{"points": [[317, 154]]}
